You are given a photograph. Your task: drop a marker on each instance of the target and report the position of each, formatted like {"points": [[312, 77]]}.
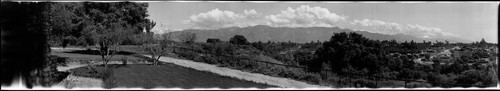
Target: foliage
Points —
{"points": [[344, 50], [210, 40], [344, 53], [84, 20], [239, 39]]}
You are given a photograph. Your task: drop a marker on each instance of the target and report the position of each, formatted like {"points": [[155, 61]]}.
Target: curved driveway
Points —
{"points": [[255, 77]]}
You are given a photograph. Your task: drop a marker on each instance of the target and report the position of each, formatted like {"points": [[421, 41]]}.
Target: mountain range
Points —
{"points": [[300, 35]]}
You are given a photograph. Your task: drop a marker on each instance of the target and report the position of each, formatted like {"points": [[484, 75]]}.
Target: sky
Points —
{"points": [[468, 20]]}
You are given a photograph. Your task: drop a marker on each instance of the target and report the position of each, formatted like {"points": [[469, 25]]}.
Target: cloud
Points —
{"points": [[378, 26], [307, 16], [222, 18]]}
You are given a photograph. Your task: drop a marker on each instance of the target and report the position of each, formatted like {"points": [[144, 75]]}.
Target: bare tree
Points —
{"points": [[107, 44], [187, 37], [157, 45]]}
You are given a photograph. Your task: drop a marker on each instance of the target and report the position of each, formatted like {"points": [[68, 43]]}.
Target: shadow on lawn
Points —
{"points": [[96, 52], [98, 71], [60, 76]]}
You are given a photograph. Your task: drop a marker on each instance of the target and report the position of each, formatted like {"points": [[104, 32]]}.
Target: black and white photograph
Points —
{"points": [[249, 45]]}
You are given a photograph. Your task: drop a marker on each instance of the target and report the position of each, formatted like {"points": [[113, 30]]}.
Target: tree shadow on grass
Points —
{"points": [[60, 76], [86, 71], [96, 52]]}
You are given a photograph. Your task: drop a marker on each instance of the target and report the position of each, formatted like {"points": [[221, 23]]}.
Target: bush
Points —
{"points": [[418, 84], [124, 60], [187, 54], [441, 80], [364, 83], [81, 41], [58, 61], [108, 79], [71, 40]]}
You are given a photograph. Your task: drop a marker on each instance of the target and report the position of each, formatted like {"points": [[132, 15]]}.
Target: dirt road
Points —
{"points": [[259, 78]]}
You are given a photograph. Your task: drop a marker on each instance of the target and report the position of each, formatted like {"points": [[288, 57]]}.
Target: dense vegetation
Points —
{"points": [[346, 53], [88, 22]]}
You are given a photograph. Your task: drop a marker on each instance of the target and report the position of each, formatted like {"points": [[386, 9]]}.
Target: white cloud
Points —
{"points": [[306, 16], [222, 18], [377, 26]]}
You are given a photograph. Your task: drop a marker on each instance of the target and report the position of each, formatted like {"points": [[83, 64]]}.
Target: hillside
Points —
{"points": [[300, 35]]}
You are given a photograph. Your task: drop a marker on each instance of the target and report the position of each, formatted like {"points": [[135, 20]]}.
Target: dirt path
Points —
{"points": [[259, 78]]}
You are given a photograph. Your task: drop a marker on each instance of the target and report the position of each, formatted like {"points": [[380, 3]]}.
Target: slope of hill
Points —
{"points": [[300, 34]]}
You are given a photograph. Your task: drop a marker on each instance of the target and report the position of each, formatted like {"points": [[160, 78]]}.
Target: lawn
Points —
{"points": [[173, 76], [163, 76], [148, 76]]}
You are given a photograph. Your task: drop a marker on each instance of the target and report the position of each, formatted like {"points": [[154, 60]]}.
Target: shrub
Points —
{"points": [[106, 74], [364, 83], [124, 60], [211, 40], [418, 84], [71, 40], [81, 41], [58, 61], [188, 54], [441, 80]]}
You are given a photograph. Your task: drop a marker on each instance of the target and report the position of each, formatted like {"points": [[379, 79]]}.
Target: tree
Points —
{"points": [[482, 41], [157, 46], [69, 40], [78, 19], [108, 24], [470, 77], [187, 37], [239, 39], [107, 43], [350, 50], [212, 40], [63, 21]]}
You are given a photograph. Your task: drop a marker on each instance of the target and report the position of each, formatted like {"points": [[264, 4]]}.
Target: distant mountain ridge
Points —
{"points": [[300, 35]]}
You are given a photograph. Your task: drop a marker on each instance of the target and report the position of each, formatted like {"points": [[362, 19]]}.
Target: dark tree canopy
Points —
{"points": [[346, 50], [211, 40], [239, 39], [87, 21]]}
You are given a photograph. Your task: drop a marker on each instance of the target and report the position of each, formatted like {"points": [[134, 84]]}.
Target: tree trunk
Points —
{"points": [[107, 59], [61, 39], [157, 59]]}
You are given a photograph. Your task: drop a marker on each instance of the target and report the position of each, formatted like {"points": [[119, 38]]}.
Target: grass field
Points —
{"points": [[149, 76], [173, 76]]}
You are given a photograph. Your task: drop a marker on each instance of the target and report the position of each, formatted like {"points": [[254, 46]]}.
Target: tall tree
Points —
{"points": [[62, 20], [108, 24], [239, 39], [350, 50]]}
